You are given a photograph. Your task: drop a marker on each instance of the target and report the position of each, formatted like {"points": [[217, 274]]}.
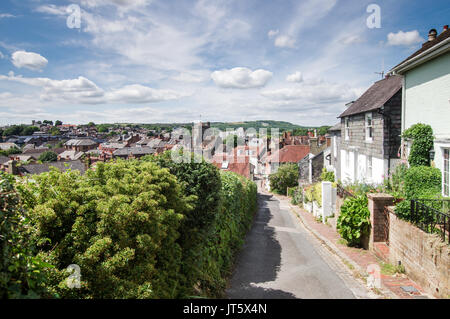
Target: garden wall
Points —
{"points": [[425, 257]]}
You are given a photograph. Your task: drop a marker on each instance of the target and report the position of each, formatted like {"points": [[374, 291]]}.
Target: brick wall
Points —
{"points": [[378, 217], [425, 257]]}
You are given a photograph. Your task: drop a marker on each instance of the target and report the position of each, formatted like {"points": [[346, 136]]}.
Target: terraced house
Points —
{"points": [[370, 133], [426, 96]]}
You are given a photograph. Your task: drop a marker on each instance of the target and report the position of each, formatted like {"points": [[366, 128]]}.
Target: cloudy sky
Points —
{"points": [[180, 61]]}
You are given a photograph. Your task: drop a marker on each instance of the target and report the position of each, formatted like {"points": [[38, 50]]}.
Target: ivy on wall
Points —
{"points": [[422, 136]]}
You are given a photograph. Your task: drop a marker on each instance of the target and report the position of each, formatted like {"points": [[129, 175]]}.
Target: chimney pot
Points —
{"points": [[432, 35]]}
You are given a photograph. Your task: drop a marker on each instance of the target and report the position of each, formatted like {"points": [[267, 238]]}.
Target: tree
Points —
{"points": [[48, 156], [119, 223], [286, 176], [91, 124], [22, 274], [55, 131], [48, 122], [58, 123]]}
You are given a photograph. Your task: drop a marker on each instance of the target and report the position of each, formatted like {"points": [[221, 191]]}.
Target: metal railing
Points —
{"points": [[432, 217]]}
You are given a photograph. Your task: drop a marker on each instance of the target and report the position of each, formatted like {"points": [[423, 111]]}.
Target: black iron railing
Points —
{"points": [[432, 217]]}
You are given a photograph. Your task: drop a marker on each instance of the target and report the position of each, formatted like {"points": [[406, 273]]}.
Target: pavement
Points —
{"points": [[396, 286], [281, 259]]}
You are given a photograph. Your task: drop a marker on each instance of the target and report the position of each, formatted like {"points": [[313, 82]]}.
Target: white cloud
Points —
{"points": [[1, 55], [83, 90], [272, 33], [119, 3], [284, 41], [352, 39], [241, 78], [405, 38], [29, 60], [6, 15], [137, 93], [296, 77], [317, 93], [52, 9]]}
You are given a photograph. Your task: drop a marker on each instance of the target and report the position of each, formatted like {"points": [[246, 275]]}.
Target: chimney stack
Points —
{"points": [[445, 28], [432, 35]]}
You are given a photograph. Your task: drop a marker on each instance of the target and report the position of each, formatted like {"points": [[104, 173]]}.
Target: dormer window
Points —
{"points": [[369, 127]]}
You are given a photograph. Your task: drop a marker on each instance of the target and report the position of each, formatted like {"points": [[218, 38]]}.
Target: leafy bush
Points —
{"points": [[420, 182], [317, 194], [422, 136], [286, 176], [22, 274], [226, 237], [119, 223], [354, 220], [309, 196], [327, 176]]}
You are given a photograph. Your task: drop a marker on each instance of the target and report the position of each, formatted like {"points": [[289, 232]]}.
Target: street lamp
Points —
{"points": [[432, 154]]}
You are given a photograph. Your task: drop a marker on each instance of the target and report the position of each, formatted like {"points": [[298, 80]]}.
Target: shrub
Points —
{"points": [[309, 196], [327, 176], [317, 194], [354, 220], [22, 274], [119, 223], [227, 232], [286, 176], [422, 136], [420, 182]]}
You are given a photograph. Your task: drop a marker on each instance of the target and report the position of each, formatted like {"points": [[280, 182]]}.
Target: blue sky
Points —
{"points": [[178, 61]]}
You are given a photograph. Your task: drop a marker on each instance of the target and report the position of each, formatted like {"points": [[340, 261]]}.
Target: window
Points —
{"points": [[369, 127], [347, 129], [369, 166], [446, 172]]}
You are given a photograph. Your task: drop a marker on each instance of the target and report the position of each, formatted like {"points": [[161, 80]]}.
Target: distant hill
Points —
{"points": [[223, 126]]}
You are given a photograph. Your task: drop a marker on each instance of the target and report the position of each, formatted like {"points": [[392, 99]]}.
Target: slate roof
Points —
{"points": [[72, 155], [81, 142], [134, 151], [290, 154], [336, 127], [427, 45], [45, 167], [376, 96]]}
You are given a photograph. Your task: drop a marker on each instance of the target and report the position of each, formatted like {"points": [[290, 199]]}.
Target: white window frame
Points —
{"points": [[369, 126], [347, 128], [446, 172]]}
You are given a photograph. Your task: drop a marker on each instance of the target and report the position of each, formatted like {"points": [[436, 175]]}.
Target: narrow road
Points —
{"points": [[280, 259]]}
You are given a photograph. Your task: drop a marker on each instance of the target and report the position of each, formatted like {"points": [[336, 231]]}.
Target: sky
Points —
{"points": [[148, 61]]}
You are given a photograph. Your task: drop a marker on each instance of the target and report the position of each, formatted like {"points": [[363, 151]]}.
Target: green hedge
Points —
{"points": [[420, 182], [127, 225]]}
